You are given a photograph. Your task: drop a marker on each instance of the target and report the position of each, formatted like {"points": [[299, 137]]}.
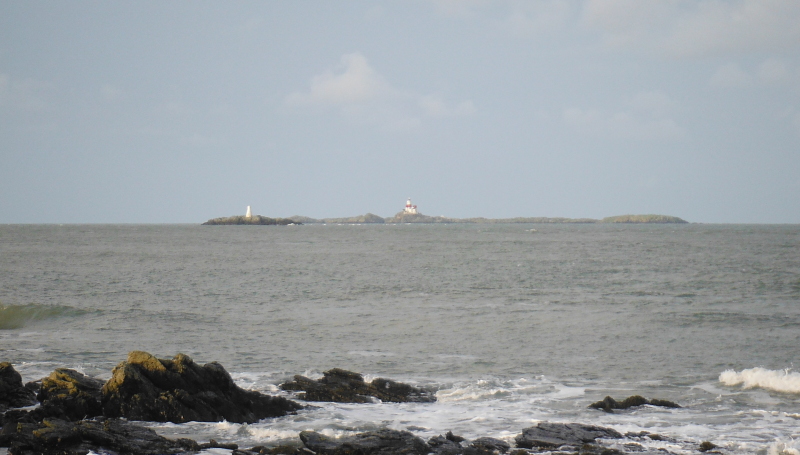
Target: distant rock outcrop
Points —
{"points": [[403, 217], [178, 390], [344, 386], [367, 218], [255, 219], [608, 404], [653, 219]]}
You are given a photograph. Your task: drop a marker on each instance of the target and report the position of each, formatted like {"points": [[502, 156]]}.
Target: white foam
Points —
{"points": [[271, 434], [782, 448], [778, 380]]}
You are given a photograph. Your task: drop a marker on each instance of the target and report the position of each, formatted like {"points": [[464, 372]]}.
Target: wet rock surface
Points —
{"points": [[382, 442], [70, 395], [178, 390], [609, 404], [553, 435], [449, 444], [342, 386], [487, 446], [13, 394], [104, 435]]}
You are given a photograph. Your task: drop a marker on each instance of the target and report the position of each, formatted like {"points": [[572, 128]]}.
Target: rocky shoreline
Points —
{"points": [[69, 413]]}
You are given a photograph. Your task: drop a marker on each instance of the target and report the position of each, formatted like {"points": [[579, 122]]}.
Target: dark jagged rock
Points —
{"points": [[381, 442], [608, 404], [178, 390], [213, 444], [594, 449], [487, 446], [546, 434], [277, 450], [344, 386], [61, 437], [705, 446], [12, 393], [71, 395], [449, 444]]}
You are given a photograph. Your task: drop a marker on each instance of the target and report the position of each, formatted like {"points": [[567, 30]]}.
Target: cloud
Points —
{"points": [[773, 71], [27, 95], [435, 106], [622, 125], [357, 83], [528, 18], [460, 8], [653, 102], [360, 94], [770, 72], [730, 76], [4, 83], [697, 28], [110, 93]]}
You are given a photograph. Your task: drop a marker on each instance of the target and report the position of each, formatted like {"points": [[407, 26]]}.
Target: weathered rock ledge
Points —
{"points": [[178, 390]]}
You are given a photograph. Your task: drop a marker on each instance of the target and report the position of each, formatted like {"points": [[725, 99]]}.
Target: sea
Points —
{"points": [[510, 324]]}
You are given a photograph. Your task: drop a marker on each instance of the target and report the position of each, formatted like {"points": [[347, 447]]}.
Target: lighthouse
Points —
{"points": [[248, 214], [410, 209]]}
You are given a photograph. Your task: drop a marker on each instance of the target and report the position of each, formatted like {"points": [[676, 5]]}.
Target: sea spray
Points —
{"points": [[778, 380]]}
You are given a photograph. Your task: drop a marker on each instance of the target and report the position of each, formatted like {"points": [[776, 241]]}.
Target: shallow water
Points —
{"points": [[512, 324]]}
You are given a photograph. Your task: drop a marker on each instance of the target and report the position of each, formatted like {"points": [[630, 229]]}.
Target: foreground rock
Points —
{"points": [[78, 438], [448, 444], [12, 393], [178, 390], [344, 386], [70, 395], [553, 435], [383, 442], [608, 404]]}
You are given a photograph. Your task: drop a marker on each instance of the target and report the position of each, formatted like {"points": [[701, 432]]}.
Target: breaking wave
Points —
{"points": [[18, 316], [778, 380]]}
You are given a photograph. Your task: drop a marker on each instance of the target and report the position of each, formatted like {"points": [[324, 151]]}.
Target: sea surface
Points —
{"points": [[510, 324]]}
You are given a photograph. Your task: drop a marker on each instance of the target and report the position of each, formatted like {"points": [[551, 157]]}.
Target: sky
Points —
{"points": [[181, 111]]}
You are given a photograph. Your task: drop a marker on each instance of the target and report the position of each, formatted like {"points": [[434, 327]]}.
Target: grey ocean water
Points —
{"points": [[512, 324]]}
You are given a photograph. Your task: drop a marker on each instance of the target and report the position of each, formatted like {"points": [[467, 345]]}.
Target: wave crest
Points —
{"points": [[18, 316], [778, 380]]}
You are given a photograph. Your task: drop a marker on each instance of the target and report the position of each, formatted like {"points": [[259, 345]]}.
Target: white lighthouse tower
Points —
{"points": [[411, 209], [248, 214]]}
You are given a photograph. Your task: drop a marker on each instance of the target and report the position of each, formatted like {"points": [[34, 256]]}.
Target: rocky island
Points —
{"points": [[255, 219], [249, 218], [410, 214]]}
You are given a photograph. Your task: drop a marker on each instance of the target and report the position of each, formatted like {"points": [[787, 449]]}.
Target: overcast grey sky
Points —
{"points": [[180, 111]]}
